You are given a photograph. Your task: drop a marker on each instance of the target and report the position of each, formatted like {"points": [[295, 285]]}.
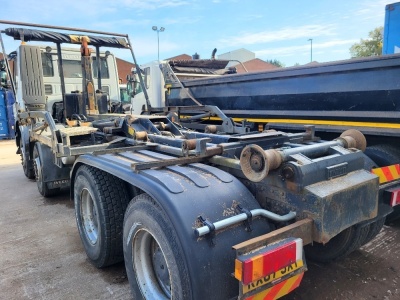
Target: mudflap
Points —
{"points": [[53, 176]]}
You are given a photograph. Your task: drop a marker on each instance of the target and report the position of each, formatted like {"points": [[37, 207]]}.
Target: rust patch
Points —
{"points": [[230, 211]]}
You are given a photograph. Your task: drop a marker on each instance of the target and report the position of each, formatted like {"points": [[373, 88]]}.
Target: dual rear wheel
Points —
{"points": [[143, 236], [140, 233], [344, 243], [100, 202]]}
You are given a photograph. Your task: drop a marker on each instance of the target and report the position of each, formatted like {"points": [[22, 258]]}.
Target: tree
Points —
{"points": [[369, 47], [275, 62]]}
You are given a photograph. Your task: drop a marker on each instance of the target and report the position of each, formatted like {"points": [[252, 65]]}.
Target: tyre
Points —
{"points": [[373, 230], [43, 188], [385, 155], [27, 164], [339, 246], [100, 201], [154, 259]]}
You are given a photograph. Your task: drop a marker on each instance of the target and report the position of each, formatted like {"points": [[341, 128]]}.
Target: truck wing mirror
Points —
{"points": [[131, 85], [3, 74]]}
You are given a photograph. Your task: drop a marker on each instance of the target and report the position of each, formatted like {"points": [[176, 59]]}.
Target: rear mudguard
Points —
{"points": [[185, 193]]}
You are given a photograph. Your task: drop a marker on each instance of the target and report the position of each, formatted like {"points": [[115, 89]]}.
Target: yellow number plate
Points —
{"points": [[272, 277]]}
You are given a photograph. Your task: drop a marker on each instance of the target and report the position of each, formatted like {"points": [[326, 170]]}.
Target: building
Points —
{"points": [[124, 68], [254, 65], [181, 57]]}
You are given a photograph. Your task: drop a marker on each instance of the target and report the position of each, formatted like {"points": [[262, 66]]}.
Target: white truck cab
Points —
{"points": [[71, 61], [154, 81]]}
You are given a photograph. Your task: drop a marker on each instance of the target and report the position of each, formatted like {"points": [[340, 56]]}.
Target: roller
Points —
{"points": [[256, 162]]}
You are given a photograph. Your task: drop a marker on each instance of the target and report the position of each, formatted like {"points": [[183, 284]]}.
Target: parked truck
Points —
{"points": [[221, 212], [157, 76]]}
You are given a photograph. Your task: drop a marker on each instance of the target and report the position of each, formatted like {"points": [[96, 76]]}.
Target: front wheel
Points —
{"points": [[38, 162], [154, 259], [27, 165]]}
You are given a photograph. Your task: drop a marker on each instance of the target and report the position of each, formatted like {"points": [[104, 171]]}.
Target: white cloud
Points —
{"points": [[182, 20], [288, 33], [153, 4], [121, 23], [80, 11], [250, 17], [372, 9], [303, 49], [362, 11], [61, 12]]}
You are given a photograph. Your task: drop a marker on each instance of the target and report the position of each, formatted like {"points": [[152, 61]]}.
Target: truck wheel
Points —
{"points": [[385, 155], [26, 163], [37, 166], [154, 261], [374, 229], [100, 201], [339, 246]]}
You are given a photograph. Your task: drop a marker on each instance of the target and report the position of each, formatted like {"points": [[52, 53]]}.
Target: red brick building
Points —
{"points": [[180, 57], [124, 68], [255, 65]]}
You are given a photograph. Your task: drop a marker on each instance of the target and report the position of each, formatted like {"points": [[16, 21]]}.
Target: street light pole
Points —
{"points": [[158, 38], [311, 48]]}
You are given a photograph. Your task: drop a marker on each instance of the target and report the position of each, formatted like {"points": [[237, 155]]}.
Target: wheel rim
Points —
{"points": [[150, 265], [37, 169], [89, 216], [23, 158]]}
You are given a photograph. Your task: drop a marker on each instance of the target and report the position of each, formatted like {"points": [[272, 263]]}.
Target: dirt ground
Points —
{"points": [[41, 255]]}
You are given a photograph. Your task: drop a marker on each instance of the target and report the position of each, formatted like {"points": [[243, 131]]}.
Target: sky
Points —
{"points": [[271, 29]]}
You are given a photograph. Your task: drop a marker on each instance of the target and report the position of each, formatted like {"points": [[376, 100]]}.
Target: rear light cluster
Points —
{"points": [[250, 267]]}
